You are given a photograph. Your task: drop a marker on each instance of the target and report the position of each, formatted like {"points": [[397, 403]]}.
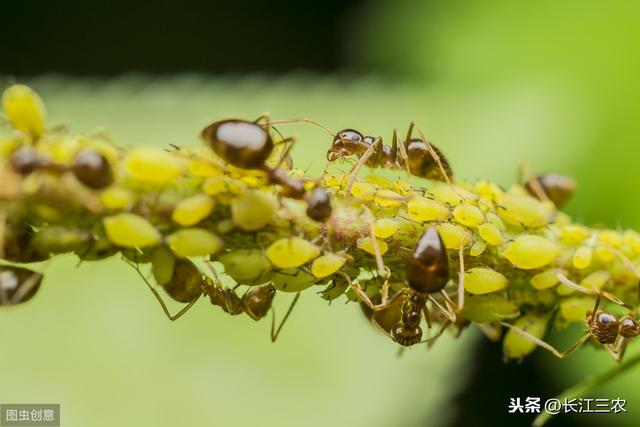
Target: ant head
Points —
{"points": [[629, 327], [339, 147], [604, 327]]}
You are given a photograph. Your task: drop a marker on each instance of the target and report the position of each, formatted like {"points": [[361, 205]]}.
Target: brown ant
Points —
{"points": [[427, 274], [613, 333], [188, 283], [248, 145], [549, 186], [18, 285]]}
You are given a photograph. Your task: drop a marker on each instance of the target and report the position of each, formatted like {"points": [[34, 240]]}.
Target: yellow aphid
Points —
{"points": [[523, 210], [480, 280], [403, 187], [477, 248], [529, 252], [203, 168], [610, 237], [214, 185], [366, 244], [452, 235], [291, 252], [335, 180], [192, 210], [224, 226], [516, 346], [363, 191], [445, 193], [116, 198], [494, 219], [632, 240], [253, 210], [604, 253], [385, 227], [490, 233], [378, 181], [246, 266], [575, 309], [582, 257], [547, 279], [190, 242], [152, 165], [468, 214], [25, 109], [326, 265], [564, 290], [162, 265], [236, 187], [388, 198], [596, 280], [423, 209], [292, 280], [488, 190], [573, 233], [130, 231], [61, 150], [489, 308]]}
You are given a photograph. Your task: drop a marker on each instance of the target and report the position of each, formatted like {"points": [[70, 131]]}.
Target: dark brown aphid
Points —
{"points": [[248, 145], [26, 160], [427, 274], [557, 188], [92, 169], [319, 205], [18, 245], [416, 155], [18, 285]]}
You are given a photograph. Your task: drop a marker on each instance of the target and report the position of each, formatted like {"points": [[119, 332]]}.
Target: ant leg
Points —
{"points": [[434, 154], [614, 299], [365, 298], [449, 310], [266, 116], [171, 317], [546, 345], [427, 315], [3, 224], [274, 336], [526, 175], [397, 146], [431, 340], [356, 168]]}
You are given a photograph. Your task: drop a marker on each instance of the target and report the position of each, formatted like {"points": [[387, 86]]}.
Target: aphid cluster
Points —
{"points": [[414, 251]]}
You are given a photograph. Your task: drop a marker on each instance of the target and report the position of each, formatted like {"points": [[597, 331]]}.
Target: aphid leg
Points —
{"points": [[365, 298], [448, 310], [436, 157], [526, 175], [171, 317], [461, 273], [356, 168], [546, 345], [614, 299], [274, 335]]}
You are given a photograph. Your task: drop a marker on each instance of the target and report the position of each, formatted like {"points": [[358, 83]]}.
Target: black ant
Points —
{"points": [[18, 285], [613, 333], [427, 274], [89, 167], [188, 283], [549, 186], [248, 145]]}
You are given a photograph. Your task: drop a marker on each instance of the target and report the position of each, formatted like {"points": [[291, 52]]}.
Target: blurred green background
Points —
{"points": [[492, 82]]}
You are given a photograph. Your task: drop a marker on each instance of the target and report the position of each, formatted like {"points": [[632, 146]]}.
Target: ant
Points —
{"points": [[188, 283], [417, 156], [613, 333], [427, 274], [549, 186], [18, 285], [248, 145]]}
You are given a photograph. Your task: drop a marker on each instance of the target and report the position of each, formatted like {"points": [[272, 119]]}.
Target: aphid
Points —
{"points": [[613, 333], [427, 274], [248, 145], [188, 283], [18, 285]]}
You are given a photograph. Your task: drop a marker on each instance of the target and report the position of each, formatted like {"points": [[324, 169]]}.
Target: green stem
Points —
{"points": [[589, 384]]}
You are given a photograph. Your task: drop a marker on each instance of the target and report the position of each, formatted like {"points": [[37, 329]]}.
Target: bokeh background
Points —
{"points": [[493, 83]]}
